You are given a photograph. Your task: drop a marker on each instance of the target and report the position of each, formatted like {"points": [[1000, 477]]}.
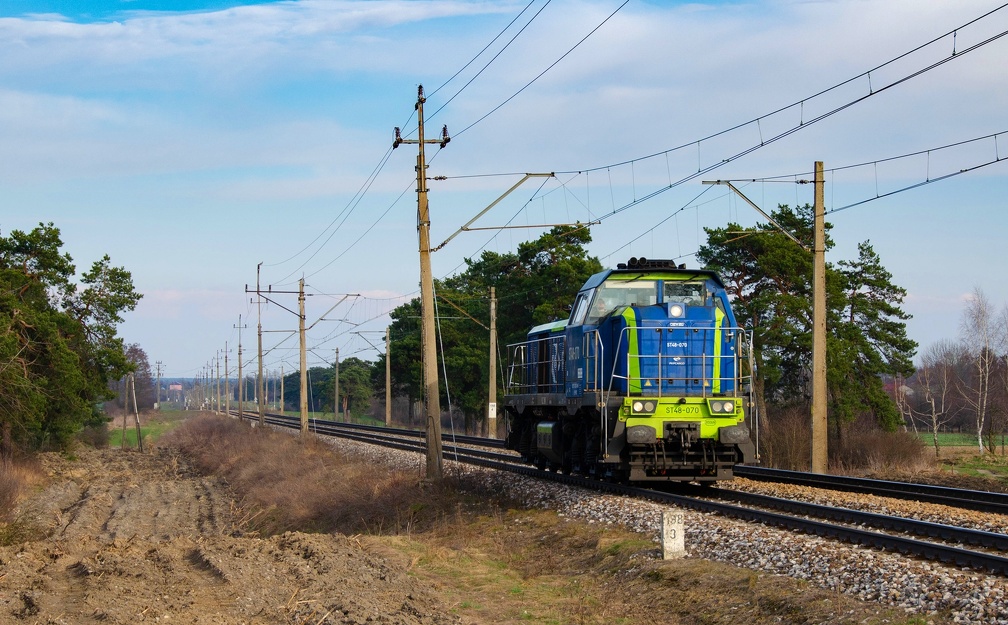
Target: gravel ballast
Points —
{"points": [[916, 586]]}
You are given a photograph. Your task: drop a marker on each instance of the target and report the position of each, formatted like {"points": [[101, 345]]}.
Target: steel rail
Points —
{"points": [[985, 501], [949, 533], [980, 500]]}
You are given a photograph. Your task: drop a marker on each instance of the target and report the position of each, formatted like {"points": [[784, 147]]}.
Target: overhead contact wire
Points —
{"points": [[542, 73]]}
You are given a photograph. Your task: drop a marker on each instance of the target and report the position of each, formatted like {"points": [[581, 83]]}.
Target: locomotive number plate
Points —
{"points": [[682, 409]]}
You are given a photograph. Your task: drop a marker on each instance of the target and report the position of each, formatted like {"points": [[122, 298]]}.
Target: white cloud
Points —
{"points": [[233, 137]]}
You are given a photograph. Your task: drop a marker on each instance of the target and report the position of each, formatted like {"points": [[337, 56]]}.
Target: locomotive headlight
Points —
{"points": [[642, 407], [676, 310], [722, 407]]}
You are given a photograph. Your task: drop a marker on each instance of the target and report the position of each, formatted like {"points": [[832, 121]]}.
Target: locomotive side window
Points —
{"points": [[689, 293], [602, 304], [720, 304], [579, 310]]}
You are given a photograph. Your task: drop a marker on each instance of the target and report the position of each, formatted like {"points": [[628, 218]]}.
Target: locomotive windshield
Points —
{"points": [[689, 293], [613, 295]]}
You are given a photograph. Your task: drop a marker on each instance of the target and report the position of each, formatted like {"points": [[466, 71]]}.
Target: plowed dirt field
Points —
{"points": [[137, 538]]}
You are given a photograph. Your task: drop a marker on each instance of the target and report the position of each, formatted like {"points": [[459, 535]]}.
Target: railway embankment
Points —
{"points": [[122, 537]]}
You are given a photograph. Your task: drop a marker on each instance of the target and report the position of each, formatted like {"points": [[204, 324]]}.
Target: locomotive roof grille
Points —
{"points": [[653, 263]]}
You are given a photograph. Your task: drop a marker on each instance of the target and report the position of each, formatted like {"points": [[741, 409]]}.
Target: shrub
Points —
{"points": [[96, 436], [863, 448], [786, 442]]}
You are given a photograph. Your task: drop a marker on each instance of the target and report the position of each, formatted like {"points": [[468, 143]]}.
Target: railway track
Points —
{"points": [[890, 533], [983, 501]]}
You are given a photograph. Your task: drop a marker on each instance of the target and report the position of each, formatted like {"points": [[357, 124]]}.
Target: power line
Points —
{"points": [[363, 234], [802, 123], [889, 159], [800, 104], [345, 214], [487, 46], [796, 179], [540, 75], [917, 185]]}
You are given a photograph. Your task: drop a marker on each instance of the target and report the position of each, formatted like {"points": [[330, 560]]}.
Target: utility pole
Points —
{"points": [[819, 419], [388, 377], [259, 378], [492, 393], [218, 382], [227, 382], [157, 404], [304, 358], [432, 393], [241, 382], [336, 410], [304, 350], [259, 375], [820, 457]]}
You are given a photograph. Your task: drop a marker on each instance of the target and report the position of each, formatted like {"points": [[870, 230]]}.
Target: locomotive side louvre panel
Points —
{"points": [[537, 365]]}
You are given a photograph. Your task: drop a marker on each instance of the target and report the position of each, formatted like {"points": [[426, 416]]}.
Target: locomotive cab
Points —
{"points": [[644, 381]]}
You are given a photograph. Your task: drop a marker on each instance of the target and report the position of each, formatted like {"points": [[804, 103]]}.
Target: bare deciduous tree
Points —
{"points": [[978, 336], [936, 381]]}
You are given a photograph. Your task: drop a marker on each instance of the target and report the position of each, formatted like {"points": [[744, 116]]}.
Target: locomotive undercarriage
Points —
{"points": [[667, 461], [573, 445], [554, 439]]}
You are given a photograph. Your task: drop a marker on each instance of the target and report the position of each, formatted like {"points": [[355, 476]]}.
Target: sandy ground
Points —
{"points": [[133, 537]]}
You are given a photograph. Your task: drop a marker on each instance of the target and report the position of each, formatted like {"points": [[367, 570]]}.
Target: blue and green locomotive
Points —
{"points": [[647, 380]]}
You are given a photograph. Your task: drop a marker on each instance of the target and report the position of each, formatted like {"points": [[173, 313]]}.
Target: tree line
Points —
{"points": [[769, 278], [962, 383], [60, 357], [767, 275], [58, 339]]}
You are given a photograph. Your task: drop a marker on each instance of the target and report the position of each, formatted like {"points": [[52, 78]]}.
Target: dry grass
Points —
{"points": [[289, 483], [530, 566], [491, 562], [18, 476], [861, 449]]}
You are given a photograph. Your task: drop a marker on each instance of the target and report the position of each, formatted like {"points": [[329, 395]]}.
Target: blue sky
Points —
{"points": [[192, 141]]}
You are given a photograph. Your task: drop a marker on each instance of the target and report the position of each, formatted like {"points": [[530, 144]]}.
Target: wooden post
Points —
{"points": [[304, 358], [136, 413], [820, 455], [492, 392], [388, 378]]}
